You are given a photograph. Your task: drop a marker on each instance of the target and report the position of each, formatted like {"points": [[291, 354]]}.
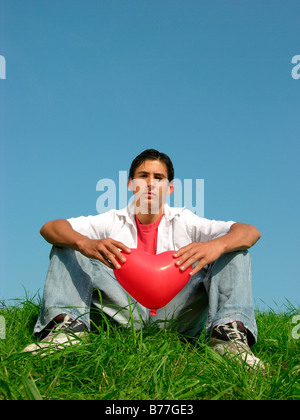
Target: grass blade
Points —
{"points": [[31, 391]]}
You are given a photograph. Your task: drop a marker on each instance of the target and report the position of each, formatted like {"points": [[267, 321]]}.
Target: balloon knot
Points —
{"points": [[153, 312]]}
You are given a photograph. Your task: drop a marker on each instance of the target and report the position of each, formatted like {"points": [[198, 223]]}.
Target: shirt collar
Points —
{"points": [[129, 213]]}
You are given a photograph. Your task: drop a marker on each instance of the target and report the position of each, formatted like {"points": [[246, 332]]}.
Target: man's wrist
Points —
{"points": [[80, 242], [223, 244]]}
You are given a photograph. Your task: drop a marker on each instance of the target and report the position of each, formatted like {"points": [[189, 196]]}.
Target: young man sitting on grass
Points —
{"points": [[86, 250]]}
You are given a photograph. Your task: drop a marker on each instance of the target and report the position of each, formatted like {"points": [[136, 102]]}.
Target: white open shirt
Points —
{"points": [[178, 227]]}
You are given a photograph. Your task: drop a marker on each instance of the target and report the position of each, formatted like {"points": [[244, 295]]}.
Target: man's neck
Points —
{"points": [[147, 219]]}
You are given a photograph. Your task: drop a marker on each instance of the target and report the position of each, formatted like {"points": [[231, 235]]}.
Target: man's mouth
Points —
{"points": [[149, 194]]}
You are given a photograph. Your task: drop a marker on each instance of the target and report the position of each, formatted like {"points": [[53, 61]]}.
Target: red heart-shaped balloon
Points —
{"points": [[152, 280]]}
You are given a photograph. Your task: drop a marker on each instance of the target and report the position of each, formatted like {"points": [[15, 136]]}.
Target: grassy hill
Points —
{"points": [[116, 363]]}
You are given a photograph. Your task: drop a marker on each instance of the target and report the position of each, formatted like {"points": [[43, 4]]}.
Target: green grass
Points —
{"points": [[116, 363]]}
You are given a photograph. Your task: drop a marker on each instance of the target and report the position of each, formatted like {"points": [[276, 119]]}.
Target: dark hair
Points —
{"points": [[152, 154]]}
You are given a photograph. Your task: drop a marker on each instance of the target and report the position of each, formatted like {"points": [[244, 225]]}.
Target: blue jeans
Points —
{"points": [[220, 293]]}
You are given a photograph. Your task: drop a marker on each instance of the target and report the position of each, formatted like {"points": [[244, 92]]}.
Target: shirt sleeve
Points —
{"points": [[94, 227], [201, 229]]}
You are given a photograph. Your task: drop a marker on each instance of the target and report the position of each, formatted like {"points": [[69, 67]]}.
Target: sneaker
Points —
{"points": [[231, 340], [63, 331]]}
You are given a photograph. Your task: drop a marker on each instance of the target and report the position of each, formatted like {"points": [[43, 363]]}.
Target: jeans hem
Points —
{"points": [[51, 313], [236, 316]]}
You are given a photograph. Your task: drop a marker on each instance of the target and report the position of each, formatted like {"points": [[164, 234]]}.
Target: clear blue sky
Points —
{"points": [[90, 84]]}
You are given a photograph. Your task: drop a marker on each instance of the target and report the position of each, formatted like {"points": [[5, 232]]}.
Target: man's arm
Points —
{"points": [[239, 238], [60, 233]]}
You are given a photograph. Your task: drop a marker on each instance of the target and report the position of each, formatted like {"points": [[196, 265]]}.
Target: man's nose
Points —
{"points": [[151, 182]]}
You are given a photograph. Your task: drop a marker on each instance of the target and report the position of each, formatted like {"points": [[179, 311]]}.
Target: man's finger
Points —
{"points": [[105, 261], [120, 245], [117, 253], [188, 258], [195, 270], [181, 251]]}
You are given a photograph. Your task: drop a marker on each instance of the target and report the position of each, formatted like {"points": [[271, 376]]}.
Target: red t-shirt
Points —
{"points": [[147, 236]]}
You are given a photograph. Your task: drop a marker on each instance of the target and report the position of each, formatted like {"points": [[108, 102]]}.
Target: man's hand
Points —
{"points": [[59, 232], [104, 250], [204, 252], [240, 237]]}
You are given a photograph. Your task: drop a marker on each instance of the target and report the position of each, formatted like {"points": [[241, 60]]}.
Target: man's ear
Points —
{"points": [[170, 188], [129, 184]]}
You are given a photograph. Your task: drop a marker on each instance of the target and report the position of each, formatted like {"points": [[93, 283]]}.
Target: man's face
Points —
{"points": [[150, 186]]}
